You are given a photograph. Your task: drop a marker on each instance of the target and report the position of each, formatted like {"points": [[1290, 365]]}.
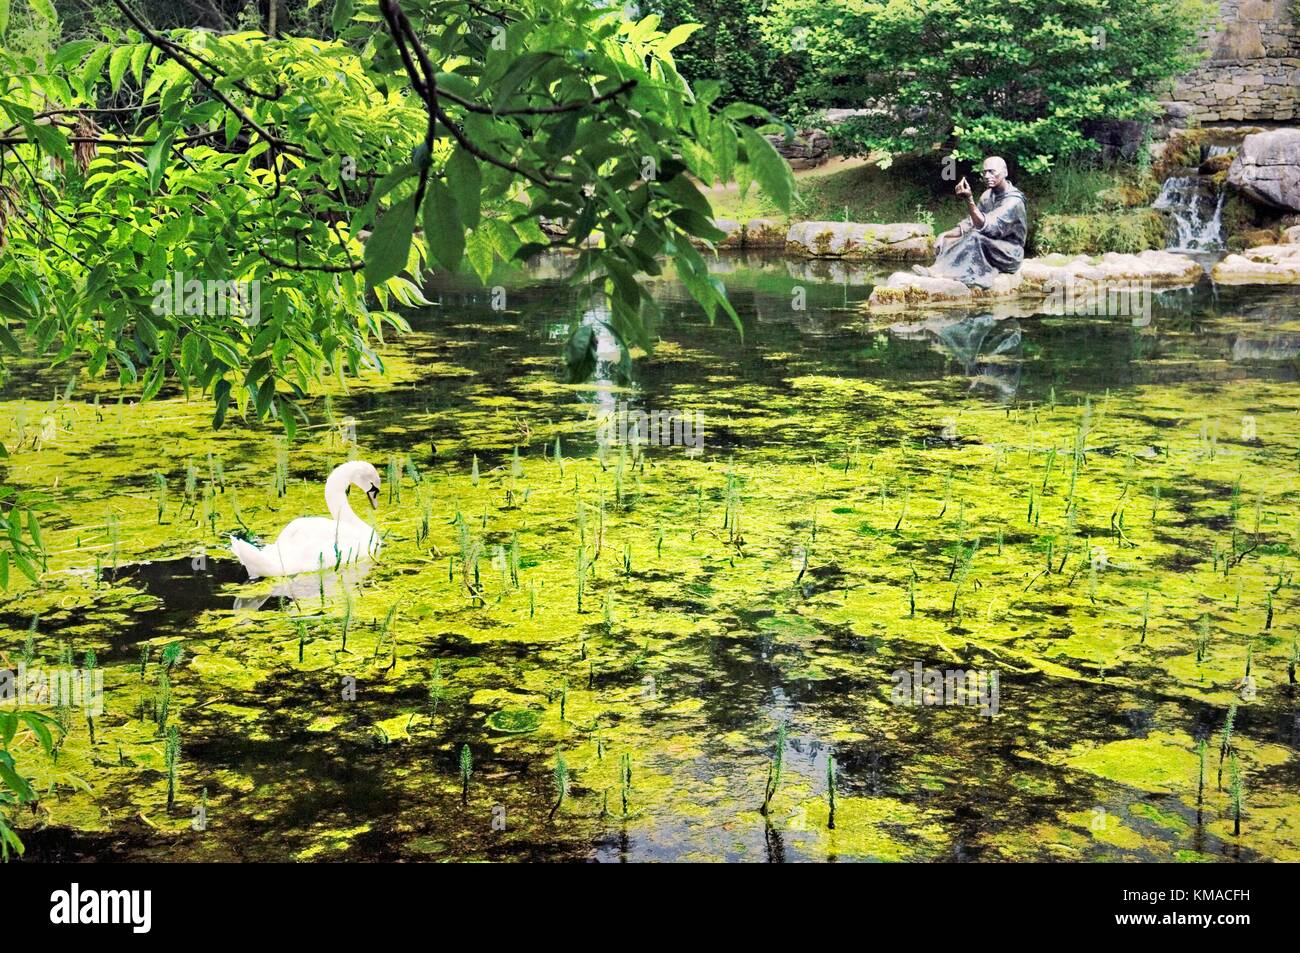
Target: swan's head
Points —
{"points": [[363, 475]]}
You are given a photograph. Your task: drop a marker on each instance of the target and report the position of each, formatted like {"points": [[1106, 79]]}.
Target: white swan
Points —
{"points": [[311, 543]]}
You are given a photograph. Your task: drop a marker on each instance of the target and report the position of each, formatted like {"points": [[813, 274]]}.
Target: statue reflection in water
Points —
{"points": [[987, 348]]}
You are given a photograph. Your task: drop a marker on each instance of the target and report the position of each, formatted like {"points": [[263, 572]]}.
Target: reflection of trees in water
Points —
{"points": [[987, 348]]}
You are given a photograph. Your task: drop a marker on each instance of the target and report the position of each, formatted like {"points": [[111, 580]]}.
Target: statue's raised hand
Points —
{"points": [[963, 188]]}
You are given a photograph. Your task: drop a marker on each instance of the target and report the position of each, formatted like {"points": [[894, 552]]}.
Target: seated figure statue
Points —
{"points": [[992, 241]]}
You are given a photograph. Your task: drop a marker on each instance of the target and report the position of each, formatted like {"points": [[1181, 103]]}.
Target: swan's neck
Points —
{"points": [[336, 499]]}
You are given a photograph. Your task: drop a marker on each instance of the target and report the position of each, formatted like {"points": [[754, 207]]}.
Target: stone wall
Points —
{"points": [[808, 149], [1253, 71]]}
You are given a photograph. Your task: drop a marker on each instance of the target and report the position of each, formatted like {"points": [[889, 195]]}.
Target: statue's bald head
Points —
{"points": [[994, 171]]}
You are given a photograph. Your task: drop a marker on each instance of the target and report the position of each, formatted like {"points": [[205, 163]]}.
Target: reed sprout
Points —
{"points": [[191, 484], [1202, 637], [1201, 750], [346, 624], [88, 664], [1237, 792], [561, 783], [1225, 740], [513, 560], [964, 559], [162, 701], [393, 477], [580, 575], [437, 688], [113, 531], [625, 780], [830, 791], [902, 513], [774, 772], [172, 756], [280, 478], [172, 654], [216, 471], [466, 768]]}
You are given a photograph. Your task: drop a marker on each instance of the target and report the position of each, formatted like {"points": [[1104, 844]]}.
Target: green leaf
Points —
{"points": [[25, 565], [443, 231], [389, 245], [38, 723], [678, 35], [222, 398], [389, 182], [45, 10], [156, 159], [466, 183], [16, 783], [117, 65], [93, 66], [34, 529], [137, 62], [771, 171], [580, 353], [4, 570], [342, 15], [479, 252], [4, 16]]}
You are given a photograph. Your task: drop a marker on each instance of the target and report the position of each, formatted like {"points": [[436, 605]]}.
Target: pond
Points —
{"points": [[576, 645]]}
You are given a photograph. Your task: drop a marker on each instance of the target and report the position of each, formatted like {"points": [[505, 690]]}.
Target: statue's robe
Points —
{"points": [[978, 255]]}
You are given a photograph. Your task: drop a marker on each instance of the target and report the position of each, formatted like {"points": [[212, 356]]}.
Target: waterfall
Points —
{"points": [[1195, 213], [1195, 207]]}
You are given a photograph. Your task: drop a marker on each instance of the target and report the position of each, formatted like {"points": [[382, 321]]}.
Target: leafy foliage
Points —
{"points": [[242, 163], [730, 50], [16, 790], [1011, 77]]}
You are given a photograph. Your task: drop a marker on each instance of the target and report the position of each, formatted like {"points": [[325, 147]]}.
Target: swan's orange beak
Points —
{"points": [[373, 495]]}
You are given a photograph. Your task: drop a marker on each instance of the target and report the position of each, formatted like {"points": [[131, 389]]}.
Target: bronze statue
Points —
{"points": [[992, 241]]}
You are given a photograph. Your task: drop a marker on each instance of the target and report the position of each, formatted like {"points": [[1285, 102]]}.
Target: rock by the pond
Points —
{"points": [[1264, 264], [1038, 278], [735, 233], [1291, 236], [855, 241], [754, 233], [764, 233], [1267, 168]]}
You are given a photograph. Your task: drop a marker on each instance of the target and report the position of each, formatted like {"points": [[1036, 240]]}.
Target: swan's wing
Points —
{"points": [[308, 534], [315, 542]]}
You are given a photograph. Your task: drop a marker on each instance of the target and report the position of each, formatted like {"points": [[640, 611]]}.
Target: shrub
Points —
{"points": [[1100, 232], [1011, 77]]}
